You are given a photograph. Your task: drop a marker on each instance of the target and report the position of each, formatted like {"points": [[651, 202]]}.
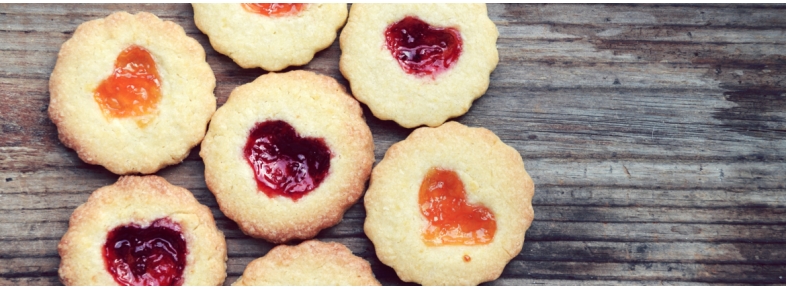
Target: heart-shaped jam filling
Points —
{"points": [[146, 256], [134, 87], [284, 163], [274, 9], [451, 219], [421, 49]]}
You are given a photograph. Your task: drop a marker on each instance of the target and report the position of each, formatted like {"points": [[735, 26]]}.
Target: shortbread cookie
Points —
{"points": [[132, 93], [142, 231], [270, 36], [287, 155], [418, 64], [312, 263], [449, 206]]}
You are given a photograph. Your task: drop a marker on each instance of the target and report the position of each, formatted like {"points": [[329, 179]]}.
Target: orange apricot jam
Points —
{"points": [[451, 219], [133, 89], [274, 9]]}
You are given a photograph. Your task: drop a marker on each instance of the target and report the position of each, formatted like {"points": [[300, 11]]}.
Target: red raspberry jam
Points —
{"points": [[284, 163], [421, 49], [133, 88], [274, 9], [451, 219], [151, 256]]}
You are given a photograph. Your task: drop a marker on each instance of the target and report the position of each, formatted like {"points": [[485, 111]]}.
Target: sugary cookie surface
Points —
{"points": [[142, 231], [311, 263], [137, 102], [418, 64], [287, 155], [449, 206], [271, 36]]}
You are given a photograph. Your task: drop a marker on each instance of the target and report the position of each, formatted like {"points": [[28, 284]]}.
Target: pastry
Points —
{"points": [[287, 154], [142, 231], [418, 64], [272, 35], [312, 263], [132, 93], [449, 206]]}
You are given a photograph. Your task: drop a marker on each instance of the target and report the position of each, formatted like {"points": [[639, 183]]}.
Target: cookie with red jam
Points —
{"points": [[131, 93], [418, 64], [270, 35], [311, 263], [142, 231], [287, 154], [449, 206]]}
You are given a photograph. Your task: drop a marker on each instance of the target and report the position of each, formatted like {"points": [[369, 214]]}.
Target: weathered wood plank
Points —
{"points": [[28, 248], [540, 231], [557, 213], [746, 16], [548, 196], [543, 272], [698, 198], [655, 232], [559, 282], [28, 267], [53, 281], [656, 174], [546, 251], [716, 273], [605, 127], [30, 281], [767, 16]]}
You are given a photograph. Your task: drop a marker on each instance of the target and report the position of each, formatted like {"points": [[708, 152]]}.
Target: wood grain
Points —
{"points": [[655, 134]]}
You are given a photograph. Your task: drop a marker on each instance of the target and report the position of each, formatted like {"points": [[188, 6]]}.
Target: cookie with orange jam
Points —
{"points": [[311, 263], [142, 231], [449, 206], [418, 64], [132, 93], [270, 35], [287, 154]]}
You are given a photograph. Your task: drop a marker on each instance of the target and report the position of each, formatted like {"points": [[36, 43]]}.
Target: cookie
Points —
{"points": [[142, 231], [312, 263], [270, 36], [287, 155], [418, 64], [131, 93], [449, 206]]}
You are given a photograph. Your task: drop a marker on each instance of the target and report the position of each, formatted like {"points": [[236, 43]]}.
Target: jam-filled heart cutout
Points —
{"points": [[274, 9], [284, 163], [422, 49], [134, 87], [146, 256], [452, 220]]}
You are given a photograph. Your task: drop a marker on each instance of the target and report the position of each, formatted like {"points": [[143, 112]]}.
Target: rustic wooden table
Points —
{"points": [[655, 134]]}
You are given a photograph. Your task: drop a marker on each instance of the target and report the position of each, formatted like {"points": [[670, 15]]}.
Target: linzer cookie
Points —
{"points": [[418, 64], [287, 155], [312, 263], [142, 231], [449, 206], [132, 93], [270, 35]]}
